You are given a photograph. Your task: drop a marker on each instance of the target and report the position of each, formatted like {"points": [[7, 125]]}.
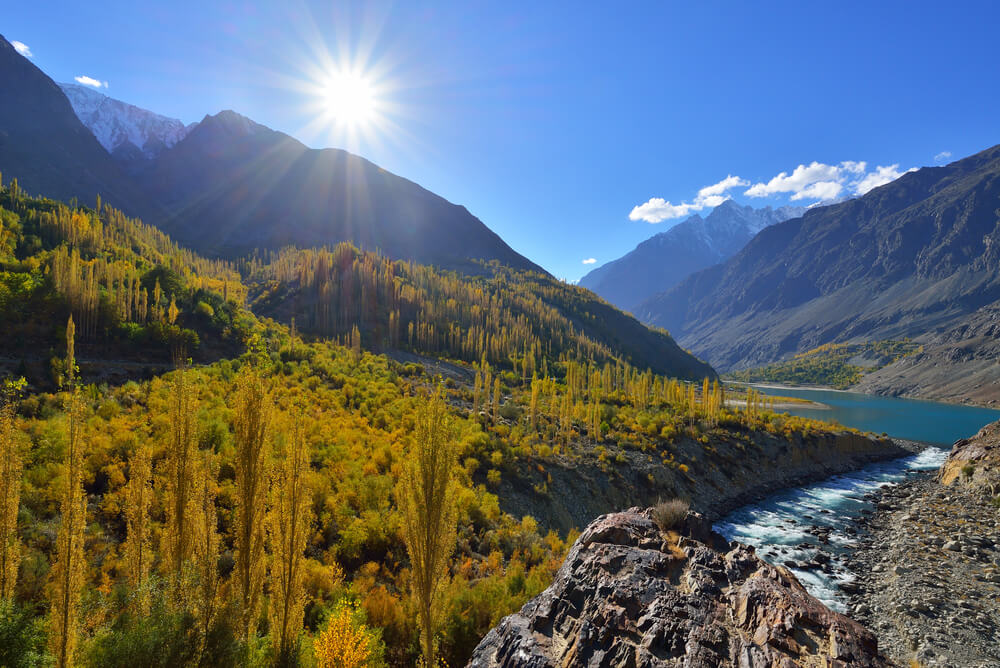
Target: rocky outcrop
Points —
{"points": [[958, 365], [974, 462], [630, 594], [929, 564], [733, 468]]}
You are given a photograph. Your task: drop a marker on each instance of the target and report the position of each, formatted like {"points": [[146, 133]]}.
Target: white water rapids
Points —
{"points": [[811, 529]]}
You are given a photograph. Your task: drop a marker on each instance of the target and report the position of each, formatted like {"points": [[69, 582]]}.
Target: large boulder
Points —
{"points": [[630, 594]]}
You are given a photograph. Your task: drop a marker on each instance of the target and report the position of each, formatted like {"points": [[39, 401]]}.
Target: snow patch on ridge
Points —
{"points": [[121, 126]]}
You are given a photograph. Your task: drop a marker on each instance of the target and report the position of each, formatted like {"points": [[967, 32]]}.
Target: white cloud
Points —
{"points": [[801, 178], [657, 209], [590, 260], [880, 177], [942, 156], [821, 190], [720, 188], [824, 182], [22, 48], [815, 181], [90, 81]]}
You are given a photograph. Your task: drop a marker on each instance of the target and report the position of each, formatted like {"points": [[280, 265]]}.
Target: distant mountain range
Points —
{"points": [[662, 261], [225, 186], [125, 131], [911, 258], [44, 145]]}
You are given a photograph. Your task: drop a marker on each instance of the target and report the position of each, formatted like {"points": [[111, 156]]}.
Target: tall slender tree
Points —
{"points": [[426, 496], [252, 427], [10, 489], [180, 470], [68, 570], [137, 552], [289, 526], [205, 545]]}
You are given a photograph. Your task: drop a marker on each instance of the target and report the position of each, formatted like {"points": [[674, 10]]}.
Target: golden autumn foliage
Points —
{"points": [[386, 518], [137, 550], [345, 642], [180, 470], [69, 568], [426, 496], [10, 490], [290, 521], [252, 425]]}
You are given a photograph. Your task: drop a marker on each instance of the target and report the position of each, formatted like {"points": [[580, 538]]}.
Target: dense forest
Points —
{"points": [[286, 494]]}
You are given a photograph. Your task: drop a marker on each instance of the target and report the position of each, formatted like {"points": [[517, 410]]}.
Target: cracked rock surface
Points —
{"points": [[630, 594]]}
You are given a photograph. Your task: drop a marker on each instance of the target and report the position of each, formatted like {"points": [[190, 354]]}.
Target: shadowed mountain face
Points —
{"points": [[226, 186], [663, 261], [914, 256], [46, 147], [232, 186]]}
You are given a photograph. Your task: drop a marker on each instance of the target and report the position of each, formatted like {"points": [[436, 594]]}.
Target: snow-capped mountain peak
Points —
{"points": [[124, 129]]}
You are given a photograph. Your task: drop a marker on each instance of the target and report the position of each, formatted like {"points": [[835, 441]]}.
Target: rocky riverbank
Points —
{"points": [[632, 594], [728, 471], [929, 562]]}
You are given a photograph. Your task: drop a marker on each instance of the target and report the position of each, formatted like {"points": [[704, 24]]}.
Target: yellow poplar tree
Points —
{"points": [[137, 553], [252, 426], [289, 525], [180, 463], [10, 490], [205, 543], [426, 496], [68, 568]]}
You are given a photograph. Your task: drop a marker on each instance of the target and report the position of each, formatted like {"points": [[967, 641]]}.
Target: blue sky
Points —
{"points": [[553, 122]]}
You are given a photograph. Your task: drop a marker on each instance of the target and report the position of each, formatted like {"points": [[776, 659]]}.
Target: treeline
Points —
{"points": [[514, 319], [121, 280]]}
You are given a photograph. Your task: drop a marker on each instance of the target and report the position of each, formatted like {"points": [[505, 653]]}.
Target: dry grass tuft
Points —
{"points": [[668, 514]]}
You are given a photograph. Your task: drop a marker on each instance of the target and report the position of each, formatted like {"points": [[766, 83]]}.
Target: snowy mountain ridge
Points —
{"points": [[124, 130], [662, 261]]}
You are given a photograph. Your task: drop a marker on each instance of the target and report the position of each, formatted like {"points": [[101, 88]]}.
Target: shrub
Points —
{"points": [[22, 638], [668, 514]]}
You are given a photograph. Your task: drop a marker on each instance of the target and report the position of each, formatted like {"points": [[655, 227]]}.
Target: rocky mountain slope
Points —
{"points": [[662, 261], [917, 255], [631, 594], [130, 134], [45, 146], [957, 365], [930, 562]]}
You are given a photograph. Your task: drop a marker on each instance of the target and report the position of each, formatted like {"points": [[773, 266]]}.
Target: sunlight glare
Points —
{"points": [[350, 98]]}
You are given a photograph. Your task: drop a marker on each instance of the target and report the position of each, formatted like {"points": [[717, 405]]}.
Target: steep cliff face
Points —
{"points": [[630, 594], [730, 470]]}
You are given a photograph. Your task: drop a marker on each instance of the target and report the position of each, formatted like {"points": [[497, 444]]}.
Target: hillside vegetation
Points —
{"points": [[245, 510], [838, 365]]}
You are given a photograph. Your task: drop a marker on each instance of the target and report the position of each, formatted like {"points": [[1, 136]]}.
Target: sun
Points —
{"points": [[350, 98]]}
